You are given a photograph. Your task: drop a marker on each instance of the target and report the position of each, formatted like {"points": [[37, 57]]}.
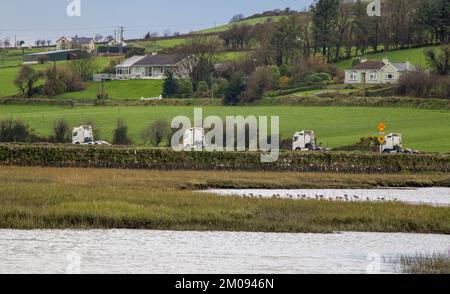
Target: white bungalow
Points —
{"points": [[150, 67], [377, 72]]}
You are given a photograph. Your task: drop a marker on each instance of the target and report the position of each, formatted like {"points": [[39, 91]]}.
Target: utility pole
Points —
{"points": [[121, 38]]}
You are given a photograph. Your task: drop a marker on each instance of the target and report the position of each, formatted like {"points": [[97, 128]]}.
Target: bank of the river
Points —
{"points": [[37, 198]]}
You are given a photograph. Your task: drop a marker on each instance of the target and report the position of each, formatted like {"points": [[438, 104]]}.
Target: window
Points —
{"points": [[373, 76], [353, 76], [389, 76]]}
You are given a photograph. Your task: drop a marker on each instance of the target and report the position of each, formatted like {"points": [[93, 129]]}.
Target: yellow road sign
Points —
{"points": [[381, 127], [381, 140]]}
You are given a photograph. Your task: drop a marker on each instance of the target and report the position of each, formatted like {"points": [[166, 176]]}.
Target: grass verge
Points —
{"points": [[48, 198]]}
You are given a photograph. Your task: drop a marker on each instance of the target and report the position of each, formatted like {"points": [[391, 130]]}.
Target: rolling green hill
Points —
{"points": [[251, 21]]}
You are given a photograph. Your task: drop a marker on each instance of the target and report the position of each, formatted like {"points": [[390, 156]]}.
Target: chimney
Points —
{"points": [[363, 60], [385, 61], [154, 53]]}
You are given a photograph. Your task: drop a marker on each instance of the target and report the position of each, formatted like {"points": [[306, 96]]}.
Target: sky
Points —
{"points": [[30, 20]]}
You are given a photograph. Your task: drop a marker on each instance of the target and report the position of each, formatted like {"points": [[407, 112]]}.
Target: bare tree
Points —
{"points": [[83, 67], [108, 38], [343, 24], [201, 54], [98, 38], [7, 43]]}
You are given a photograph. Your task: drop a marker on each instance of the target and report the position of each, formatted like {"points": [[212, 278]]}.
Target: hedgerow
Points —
{"points": [[164, 159]]}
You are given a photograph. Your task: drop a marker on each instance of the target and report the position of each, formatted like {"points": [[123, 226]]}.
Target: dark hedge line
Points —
{"points": [[113, 157]]}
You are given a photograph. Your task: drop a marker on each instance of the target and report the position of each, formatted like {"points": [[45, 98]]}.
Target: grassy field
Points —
{"points": [[14, 57], [158, 45], [7, 76], [425, 130], [33, 198], [416, 56], [252, 22], [131, 89]]}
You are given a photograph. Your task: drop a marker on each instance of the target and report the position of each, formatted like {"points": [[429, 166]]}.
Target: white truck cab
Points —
{"points": [[304, 141], [83, 135], [393, 143], [194, 138]]}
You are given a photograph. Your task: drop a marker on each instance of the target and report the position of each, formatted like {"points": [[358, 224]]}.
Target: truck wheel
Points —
{"points": [[298, 149], [77, 143]]}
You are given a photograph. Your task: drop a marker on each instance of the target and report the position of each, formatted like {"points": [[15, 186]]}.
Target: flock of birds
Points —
{"points": [[346, 197]]}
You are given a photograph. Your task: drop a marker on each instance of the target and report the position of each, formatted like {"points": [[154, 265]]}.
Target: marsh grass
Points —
{"points": [[437, 263], [49, 198]]}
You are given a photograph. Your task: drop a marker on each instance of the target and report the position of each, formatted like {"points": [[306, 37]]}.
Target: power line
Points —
{"points": [[105, 27]]}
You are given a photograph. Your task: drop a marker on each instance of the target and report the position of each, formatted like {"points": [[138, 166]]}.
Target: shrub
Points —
{"points": [[235, 88], [417, 84], [441, 87], [120, 134], [170, 87], [284, 70], [440, 64], [284, 82], [14, 131], [157, 132], [202, 90], [184, 89], [42, 59], [424, 85], [59, 80], [356, 61], [220, 87], [264, 79], [26, 79], [317, 78], [61, 132]]}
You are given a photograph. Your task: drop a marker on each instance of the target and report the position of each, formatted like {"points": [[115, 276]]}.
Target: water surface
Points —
{"points": [[428, 196], [140, 251]]}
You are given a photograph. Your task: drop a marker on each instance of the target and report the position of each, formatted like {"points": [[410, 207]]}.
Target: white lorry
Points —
{"points": [[84, 135], [194, 138], [304, 141], [393, 143]]}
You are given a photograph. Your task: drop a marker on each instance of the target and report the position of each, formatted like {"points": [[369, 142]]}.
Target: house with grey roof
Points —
{"points": [[377, 72], [153, 67], [83, 43]]}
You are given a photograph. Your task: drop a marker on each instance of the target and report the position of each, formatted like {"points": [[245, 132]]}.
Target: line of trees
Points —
{"points": [[341, 29]]}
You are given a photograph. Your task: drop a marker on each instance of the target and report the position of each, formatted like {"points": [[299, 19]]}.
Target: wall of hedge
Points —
{"points": [[113, 157]]}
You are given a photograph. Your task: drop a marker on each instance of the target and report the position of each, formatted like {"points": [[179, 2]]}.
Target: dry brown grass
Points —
{"points": [[97, 198]]}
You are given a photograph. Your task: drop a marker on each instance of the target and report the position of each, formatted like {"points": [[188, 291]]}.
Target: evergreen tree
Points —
{"points": [[170, 87]]}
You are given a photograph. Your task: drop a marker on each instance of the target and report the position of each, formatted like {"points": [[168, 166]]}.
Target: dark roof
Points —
{"points": [[370, 65], [82, 40], [163, 59]]}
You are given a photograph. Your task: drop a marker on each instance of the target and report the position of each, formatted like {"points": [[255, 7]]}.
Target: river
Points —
{"points": [[141, 251]]}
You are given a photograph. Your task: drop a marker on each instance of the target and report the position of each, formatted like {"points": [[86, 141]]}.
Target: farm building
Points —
{"points": [[377, 72], [58, 55], [150, 67]]}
